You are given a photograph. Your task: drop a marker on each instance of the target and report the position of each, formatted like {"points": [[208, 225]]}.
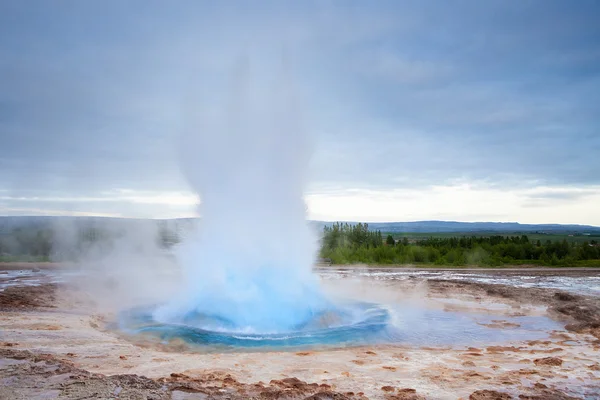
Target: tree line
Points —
{"points": [[45, 244], [22, 244], [346, 244], [342, 243]]}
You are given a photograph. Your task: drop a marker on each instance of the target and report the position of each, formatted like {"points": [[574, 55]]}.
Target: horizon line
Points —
{"points": [[309, 220]]}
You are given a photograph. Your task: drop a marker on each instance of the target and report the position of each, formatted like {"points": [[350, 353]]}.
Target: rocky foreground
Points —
{"points": [[53, 348]]}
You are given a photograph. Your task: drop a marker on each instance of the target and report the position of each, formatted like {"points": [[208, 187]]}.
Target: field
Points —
{"points": [[485, 334], [354, 244]]}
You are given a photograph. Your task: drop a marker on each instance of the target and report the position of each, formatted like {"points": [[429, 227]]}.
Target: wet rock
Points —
{"points": [[502, 349], [499, 324], [468, 364], [562, 296], [547, 394], [583, 311], [45, 376], [135, 381], [29, 378], [489, 395], [293, 383], [553, 350], [327, 396], [27, 298], [388, 388], [292, 388], [540, 342], [405, 394], [549, 361]]}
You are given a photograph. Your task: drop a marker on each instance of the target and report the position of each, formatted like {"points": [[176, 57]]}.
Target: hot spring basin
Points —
{"points": [[355, 325]]}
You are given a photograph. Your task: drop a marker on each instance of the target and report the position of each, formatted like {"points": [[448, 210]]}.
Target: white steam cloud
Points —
{"points": [[250, 262]]}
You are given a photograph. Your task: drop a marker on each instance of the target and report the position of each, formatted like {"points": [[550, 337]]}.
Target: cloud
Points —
{"points": [[459, 202], [561, 195], [121, 203], [389, 67], [399, 95]]}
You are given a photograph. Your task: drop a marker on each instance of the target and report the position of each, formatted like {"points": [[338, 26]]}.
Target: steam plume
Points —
{"points": [[250, 262]]}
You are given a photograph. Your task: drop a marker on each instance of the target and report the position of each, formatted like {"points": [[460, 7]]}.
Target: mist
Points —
{"points": [[250, 261], [114, 263]]}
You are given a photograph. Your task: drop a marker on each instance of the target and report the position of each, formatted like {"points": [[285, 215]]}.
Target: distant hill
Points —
{"points": [[10, 222], [452, 226]]}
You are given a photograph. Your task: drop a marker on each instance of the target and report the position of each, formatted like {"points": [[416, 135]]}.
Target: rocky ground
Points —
{"points": [[581, 313], [52, 346]]}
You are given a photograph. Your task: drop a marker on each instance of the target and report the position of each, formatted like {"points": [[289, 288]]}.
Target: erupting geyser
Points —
{"points": [[248, 269], [249, 265]]}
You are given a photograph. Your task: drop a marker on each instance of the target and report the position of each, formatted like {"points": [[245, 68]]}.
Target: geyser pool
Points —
{"points": [[349, 324], [354, 324]]}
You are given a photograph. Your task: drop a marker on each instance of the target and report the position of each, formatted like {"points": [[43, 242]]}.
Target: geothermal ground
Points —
{"points": [[477, 334]]}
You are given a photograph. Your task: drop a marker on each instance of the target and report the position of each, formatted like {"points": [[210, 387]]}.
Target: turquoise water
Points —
{"points": [[355, 324], [349, 325]]}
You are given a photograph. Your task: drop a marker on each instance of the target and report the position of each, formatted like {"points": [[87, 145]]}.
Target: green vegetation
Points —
{"points": [[26, 245], [576, 237], [346, 244], [342, 244], [33, 244]]}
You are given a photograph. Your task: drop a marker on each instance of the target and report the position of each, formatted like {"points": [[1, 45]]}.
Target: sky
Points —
{"points": [[466, 110]]}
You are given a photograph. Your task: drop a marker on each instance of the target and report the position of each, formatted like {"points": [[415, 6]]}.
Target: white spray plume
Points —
{"points": [[250, 262]]}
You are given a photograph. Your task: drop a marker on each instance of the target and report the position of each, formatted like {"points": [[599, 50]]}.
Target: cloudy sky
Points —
{"points": [[465, 110]]}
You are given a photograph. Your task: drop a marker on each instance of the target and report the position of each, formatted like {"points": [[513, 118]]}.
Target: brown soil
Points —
{"points": [[489, 395], [30, 375], [549, 361], [11, 266], [26, 375], [28, 298]]}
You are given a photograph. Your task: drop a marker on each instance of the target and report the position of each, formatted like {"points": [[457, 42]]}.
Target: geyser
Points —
{"points": [[248, 268], [247, 271]]}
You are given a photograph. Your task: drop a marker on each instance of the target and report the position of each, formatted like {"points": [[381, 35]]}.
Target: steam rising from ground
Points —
{"points": [[250, 262], [122, 266]]}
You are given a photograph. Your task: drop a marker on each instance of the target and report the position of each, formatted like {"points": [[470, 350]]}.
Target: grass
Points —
{"points": [[533, 237], [517, 264], [12, 259]]}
